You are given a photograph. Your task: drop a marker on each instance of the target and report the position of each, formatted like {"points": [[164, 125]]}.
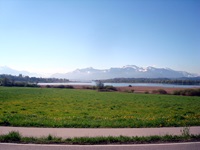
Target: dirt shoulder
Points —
{"points": [[143, 89], [138, 89]]}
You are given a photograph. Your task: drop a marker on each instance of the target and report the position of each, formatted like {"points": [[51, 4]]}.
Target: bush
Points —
{"points": [[110, 88], [87, 87], [146, 92], [176, 93], [107, 89], [19, 84], [69, 87], [60, 86], [5, 122], [159, 91], [188, 92], [48, 86], [12, 137], [31, 85], [64, 86], [99, 85]]}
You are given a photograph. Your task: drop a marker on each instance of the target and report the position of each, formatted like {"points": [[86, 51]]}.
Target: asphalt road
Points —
{"points": [[169, 146]]}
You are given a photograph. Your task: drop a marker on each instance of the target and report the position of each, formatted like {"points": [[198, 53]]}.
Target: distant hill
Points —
{"points": [[130, 71], [8, 70]]}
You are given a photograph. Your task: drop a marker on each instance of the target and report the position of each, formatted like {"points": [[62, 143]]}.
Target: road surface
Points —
{"points": [[169, 146]]}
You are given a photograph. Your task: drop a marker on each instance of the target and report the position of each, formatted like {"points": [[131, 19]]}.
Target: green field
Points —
{"points": [[50, 107]]}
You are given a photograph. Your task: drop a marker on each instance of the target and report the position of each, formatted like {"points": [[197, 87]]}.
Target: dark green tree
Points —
{"points": [[5, 82]]}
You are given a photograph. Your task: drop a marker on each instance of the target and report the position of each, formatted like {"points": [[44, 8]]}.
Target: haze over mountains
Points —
{"points": [[129, 71], [8, 70]]}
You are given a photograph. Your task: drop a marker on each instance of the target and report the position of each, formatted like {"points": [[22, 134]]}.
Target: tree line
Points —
{"points": [[179, 81], [20, 80]]}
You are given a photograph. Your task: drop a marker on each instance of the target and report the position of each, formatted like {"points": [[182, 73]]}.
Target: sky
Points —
{"points": [[50, 36]]}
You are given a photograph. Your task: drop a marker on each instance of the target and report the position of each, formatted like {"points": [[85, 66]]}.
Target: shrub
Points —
{"points": [[64, 86], [87, 87], [31, 85], [188, 92], [146, 92], [99, 85], [48, 86], [159, 91], [176, 93], [5, 122], [60, 86], [12, 137], [110, 88], [19, 84], [69, 87]]}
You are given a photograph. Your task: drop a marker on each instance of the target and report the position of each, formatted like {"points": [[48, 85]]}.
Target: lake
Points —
{"points": [[124, 84]]}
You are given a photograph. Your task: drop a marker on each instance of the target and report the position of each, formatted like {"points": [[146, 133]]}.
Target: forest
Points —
{"points": [[179, 81], [20, 80]]}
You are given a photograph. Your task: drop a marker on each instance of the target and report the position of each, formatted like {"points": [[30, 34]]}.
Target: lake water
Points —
{"points": [[124, 84]]}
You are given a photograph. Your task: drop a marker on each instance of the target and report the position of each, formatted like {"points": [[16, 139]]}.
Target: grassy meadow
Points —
{"points": [[51, 107]]}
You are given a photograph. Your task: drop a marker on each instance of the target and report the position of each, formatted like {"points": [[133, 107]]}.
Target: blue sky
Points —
{"points": [[50, 36]]}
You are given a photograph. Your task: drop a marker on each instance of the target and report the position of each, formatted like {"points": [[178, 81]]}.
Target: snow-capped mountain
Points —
{"points": [[129, 71]]}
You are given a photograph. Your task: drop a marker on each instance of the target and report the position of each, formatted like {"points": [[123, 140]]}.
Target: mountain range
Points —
{"points": [[129, 71], [8, 70]]}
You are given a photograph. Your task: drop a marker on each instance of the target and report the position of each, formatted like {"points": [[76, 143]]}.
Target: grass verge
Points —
{"points": [[16, 137]]}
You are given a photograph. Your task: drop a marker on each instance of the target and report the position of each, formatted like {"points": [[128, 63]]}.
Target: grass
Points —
{"points": [[15, 137], [50, 107]]}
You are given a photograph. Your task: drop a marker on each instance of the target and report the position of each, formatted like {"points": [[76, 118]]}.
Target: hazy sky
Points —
{"points": [[62, 35]]}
